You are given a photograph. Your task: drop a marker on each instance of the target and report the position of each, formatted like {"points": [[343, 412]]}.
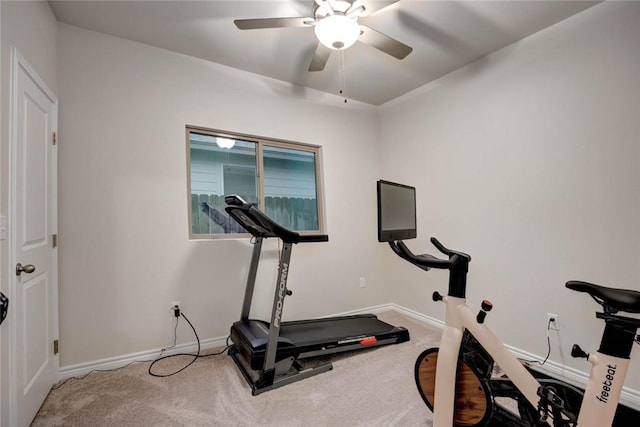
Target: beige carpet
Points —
{"points": [[370, 388]]}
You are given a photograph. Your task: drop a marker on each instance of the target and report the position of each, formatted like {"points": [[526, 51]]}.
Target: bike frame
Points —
{"points": [[609, 364], [600, 398]]}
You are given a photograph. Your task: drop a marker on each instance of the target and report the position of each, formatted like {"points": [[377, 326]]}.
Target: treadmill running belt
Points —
{"points": [[336, 329]]}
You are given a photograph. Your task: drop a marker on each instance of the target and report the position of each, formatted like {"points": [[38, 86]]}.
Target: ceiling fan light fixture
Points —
{"points": [[225, 142], [337, 32]]}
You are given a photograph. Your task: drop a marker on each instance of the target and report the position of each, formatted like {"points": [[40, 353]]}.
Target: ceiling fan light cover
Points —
{"points": [[225, 142], [337, 31]]}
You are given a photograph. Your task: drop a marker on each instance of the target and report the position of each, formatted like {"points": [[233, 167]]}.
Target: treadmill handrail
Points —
{"points": [[259, 224]]}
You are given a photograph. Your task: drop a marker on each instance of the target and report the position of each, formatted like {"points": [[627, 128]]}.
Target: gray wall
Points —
{"points": [[528, 160], [124, 248]]}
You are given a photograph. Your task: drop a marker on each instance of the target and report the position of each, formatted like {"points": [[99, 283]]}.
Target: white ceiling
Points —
{"points": [[445, 35]]}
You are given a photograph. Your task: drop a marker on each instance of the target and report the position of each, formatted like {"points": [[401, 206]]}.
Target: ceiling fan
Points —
{"points": [[336, 26]]}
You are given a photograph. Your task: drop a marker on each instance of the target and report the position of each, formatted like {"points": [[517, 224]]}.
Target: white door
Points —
{"points": [[34, 321]]}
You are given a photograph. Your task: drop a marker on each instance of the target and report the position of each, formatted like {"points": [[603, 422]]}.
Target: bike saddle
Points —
{"points": [[616, 299]]}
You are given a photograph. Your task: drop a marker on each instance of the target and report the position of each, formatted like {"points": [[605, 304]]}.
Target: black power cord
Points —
{"points": [[548, 344], [548, 347], [195, 356]]}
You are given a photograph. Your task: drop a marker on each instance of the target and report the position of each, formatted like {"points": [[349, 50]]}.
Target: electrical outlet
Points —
{"points": [[553, 322], [176, 308], [363, 282]]}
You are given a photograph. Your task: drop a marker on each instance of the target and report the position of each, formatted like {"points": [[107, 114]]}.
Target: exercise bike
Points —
{"points": [[457, 380]]}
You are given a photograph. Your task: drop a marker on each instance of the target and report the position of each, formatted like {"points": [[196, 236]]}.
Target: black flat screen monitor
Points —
{"points": [[396, 211]]}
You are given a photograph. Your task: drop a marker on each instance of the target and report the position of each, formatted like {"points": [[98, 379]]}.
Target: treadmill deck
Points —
{"points": [[309, 338]]}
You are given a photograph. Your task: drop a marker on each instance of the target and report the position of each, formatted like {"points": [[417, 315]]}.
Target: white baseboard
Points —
{"points": [[418, 316], [629, 397], [376, 309], [112, 363]]}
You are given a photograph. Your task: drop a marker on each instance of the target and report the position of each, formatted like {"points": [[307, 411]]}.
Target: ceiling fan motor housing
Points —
{"points": [[324, 8]]}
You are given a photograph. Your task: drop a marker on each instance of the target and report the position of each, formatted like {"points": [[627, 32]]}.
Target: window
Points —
{"points": [[283, 178]]}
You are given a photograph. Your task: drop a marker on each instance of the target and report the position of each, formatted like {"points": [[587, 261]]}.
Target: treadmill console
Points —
{"points": [[234, 200]]}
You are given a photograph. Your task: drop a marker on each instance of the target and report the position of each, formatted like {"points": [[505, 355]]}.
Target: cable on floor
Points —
{"points": [[195, 356]]}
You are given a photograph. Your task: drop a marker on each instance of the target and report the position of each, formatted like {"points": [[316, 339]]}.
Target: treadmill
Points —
{"points": [[269, 354]]}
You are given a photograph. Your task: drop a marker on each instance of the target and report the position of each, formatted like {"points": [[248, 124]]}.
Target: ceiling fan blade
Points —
{"points": [[372, 7], [320, 58], [255, 24], [384, 43]]}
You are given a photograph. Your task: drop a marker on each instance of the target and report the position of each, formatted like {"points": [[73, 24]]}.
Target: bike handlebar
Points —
{"points": [[457, 264], [428, 261], [439, 246]]}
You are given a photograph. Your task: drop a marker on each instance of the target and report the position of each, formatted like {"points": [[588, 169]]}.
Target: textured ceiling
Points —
{"points": [[445, 35]]}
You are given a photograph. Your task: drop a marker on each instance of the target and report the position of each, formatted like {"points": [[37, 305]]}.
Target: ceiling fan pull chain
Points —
{"points": [[343, 78]]}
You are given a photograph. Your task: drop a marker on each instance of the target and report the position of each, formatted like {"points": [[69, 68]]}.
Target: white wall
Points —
{"points": [[32, 29], [124, 248], [528, 160]]}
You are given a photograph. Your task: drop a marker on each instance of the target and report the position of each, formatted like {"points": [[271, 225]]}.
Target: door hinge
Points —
{"points": [[55, 347], [54, 241], [55, 138]]}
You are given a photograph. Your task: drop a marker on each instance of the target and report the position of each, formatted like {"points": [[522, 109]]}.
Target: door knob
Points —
{"points": [[29, 268]]}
